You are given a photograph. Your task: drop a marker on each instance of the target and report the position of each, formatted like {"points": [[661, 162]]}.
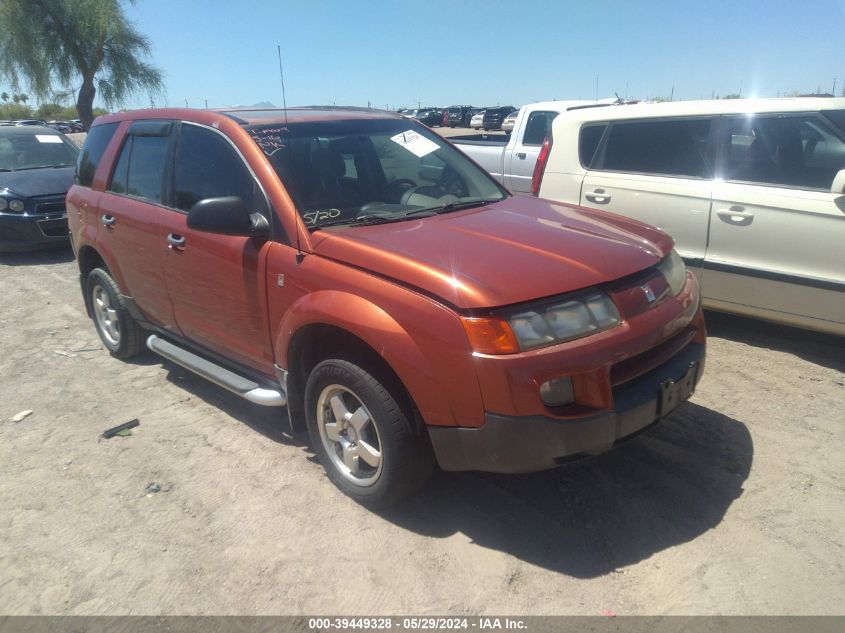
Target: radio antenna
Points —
{"points": [[299, 254], [282, 75]]}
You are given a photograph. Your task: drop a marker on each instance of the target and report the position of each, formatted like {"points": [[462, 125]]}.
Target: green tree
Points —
{"points": [[68, 43], [5, 97], [14, 112]]}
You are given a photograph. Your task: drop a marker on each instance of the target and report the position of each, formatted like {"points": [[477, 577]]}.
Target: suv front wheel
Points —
{"points": [[120, 333], [365, 435]]}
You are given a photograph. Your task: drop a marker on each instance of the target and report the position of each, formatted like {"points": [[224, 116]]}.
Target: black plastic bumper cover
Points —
{"points": [[527, 444], [26, 232]]}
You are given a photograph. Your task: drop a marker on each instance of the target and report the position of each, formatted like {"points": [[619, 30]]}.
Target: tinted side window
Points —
{"points": [[208, 167], [792, 151], [92, 151], [118, 179], [537, 127], [672, 148], [837, 116], [589, 142], [140, 167]]}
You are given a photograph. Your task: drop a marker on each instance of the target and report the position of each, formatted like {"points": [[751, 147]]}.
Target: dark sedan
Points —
{"points": [[36, 170], [429, 116]]}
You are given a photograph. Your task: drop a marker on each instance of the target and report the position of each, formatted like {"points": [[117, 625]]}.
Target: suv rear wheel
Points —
{"points": [[364, 434], [120, 333]]}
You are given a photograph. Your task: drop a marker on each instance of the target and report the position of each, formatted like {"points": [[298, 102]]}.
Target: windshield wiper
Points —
{"points": [[365, 219], [455, 206], [41, 167]]}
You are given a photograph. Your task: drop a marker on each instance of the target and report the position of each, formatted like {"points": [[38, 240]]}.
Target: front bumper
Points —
{"points": [[520, 444], [20, 232]]}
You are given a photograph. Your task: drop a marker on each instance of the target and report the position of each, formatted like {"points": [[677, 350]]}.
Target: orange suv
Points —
{"points": [[359, 270]]}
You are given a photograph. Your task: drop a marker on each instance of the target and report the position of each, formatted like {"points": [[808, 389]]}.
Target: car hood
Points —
{"points": [[512, 251], [38, 182]]}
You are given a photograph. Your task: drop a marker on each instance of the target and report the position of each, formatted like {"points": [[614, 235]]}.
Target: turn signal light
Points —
{"points": [[490, 335]]}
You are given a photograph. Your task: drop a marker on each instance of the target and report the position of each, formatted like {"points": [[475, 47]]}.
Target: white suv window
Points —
{"points": [[791, 151], [675, 147]]}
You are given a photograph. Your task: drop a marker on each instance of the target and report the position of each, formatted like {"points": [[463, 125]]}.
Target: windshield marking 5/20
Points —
{"points": [[347, 171]]}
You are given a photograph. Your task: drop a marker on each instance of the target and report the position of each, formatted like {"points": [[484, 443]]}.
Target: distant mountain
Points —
{"points": [[260, 105]]}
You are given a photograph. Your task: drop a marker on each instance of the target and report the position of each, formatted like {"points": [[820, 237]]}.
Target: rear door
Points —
{"points": [[658, 171], [130, 215], [777, 233], [520, 160], [216, 282]]}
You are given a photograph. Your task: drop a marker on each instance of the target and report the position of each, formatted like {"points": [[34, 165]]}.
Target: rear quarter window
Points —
{"points": [[96, 141], [588, 143]]}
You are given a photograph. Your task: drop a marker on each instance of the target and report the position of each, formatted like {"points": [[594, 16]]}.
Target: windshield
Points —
{"points": [[371, 170], [32, 151]]}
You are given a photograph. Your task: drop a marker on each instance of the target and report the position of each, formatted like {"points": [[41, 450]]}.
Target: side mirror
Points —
{"points": [[838, 185], [227, 216]]}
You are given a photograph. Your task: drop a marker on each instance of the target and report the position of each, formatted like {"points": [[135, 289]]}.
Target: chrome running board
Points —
{"points": [[244, 387]]}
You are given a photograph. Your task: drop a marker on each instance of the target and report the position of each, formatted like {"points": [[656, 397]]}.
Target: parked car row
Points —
{"points": [[65, 127], [491, 118]]}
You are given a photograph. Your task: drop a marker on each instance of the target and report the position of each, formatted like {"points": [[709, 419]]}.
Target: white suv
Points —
{"points": [[753, 191]]}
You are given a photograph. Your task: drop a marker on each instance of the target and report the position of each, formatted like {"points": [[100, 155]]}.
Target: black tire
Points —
{"points": [[406, 459], [127, 338]]}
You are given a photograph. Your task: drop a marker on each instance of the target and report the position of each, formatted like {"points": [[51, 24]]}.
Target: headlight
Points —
{"points": [[564, 320], [543, 324], [16, 205], [674, 270], [3, 204]]}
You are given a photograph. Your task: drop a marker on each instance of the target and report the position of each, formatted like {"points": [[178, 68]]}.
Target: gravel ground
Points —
{"points": [[733, 505]]}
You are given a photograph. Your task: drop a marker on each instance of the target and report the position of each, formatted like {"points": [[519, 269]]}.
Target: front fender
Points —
{"points": [[443, 395]]}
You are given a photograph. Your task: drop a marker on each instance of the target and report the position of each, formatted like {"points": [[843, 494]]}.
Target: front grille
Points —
{"points": [[644, 362], [49, 207], [53, 228]]}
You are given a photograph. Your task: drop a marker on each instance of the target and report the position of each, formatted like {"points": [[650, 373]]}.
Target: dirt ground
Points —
{"points": [[733, 505]]}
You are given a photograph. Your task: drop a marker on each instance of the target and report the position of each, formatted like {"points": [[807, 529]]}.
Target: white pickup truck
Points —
{"points": [[510, 159]]}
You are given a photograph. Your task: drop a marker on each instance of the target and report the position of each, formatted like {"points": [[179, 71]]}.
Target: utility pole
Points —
{"points": [[206, 103], [833, 92], [672, 94], [186, 103]]}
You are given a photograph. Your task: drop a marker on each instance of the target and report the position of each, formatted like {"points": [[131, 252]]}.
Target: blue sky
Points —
{"points": [[484, 52]]}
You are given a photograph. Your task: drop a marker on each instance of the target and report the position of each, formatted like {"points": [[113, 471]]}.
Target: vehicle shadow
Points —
{"points": [[58, 254], [271, 422], [822, 349], [588, 519], [592, 518]]}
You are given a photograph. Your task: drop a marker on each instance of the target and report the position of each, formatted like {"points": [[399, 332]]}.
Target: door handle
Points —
{"points": [[107, 220], [521, 155], [175, 241], [598, 196], [735, 215]]}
